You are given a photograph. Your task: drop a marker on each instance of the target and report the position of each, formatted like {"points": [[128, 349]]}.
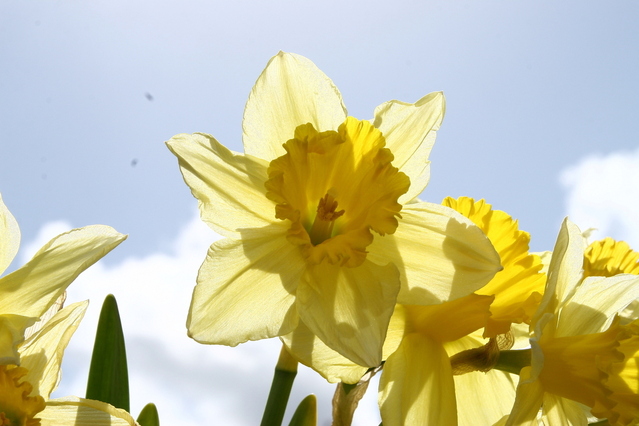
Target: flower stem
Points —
{"points": [[513, 361], [285, 372]]}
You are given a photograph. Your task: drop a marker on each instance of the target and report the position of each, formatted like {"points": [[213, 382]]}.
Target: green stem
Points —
{"points": [[285, 372], [513, 361]]}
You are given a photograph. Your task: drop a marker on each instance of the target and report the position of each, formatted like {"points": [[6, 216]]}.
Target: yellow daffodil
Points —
{"points": [[419, 385], [320, 231], [25, 390], [27, 293], [581, 354]]}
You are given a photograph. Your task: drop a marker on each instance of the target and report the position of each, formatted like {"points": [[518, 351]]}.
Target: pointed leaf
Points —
{"points": [[306, 413], [108, 376], [149, 415]]}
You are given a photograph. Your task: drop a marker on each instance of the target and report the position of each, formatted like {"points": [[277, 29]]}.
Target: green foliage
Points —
{"points": [[108, 376]]}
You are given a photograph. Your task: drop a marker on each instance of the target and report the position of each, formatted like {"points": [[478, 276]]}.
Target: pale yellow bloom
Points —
{"points": [[323, 228], [27, 293], [25, 390], [580, 352], [418, 385]]}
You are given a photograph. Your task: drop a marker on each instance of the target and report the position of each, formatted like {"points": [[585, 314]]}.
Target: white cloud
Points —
{"points": [[191, 384], [603, 193]]}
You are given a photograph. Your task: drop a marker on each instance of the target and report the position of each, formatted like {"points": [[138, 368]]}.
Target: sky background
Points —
{"points": [[541, 121]]}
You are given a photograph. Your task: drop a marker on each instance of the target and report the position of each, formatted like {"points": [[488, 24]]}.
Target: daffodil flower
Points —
{"points": [[322, 223], [418, 384], [25, 390], [27, 293], [581, 354]]}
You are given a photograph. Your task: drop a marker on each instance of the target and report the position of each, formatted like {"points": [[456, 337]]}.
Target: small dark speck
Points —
{"points": [[148, 96], [134, 162]]}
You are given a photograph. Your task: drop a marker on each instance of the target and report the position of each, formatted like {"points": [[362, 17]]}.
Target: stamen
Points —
{"points": [[322, 228]]}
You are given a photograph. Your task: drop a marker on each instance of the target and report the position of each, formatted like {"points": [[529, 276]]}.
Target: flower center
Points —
{"points": [[16, 407], [323, 224], [349, 168]]}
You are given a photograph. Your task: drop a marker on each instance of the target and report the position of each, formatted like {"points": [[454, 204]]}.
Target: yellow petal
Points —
{"points": [[565, 270], [595, 303], [246, 289], [12, 328], [349, 308], [30, 290], [42, 353], [561, 411], [74, 411], [291, 91], [529, 399], [484, 398], [410, 131], [416, 387], [309, 350], [440, 253], [518, 287], [608, 258], [229, 186], [9, 237]]}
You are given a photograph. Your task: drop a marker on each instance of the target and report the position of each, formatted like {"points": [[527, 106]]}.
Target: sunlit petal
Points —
{"points": [[416, 387], [350, 308], [291, 91], [9, 237], [441, 254], [308, 349], [34, 287], [246, 289], [410, 131], [42, 353], [229, 186], [83, 412]]}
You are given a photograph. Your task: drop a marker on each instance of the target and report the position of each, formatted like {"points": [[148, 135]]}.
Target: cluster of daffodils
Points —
{"points": [[329, 249]]}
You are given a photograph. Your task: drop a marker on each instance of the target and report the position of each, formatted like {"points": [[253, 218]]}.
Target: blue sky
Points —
{"points": [[539, 94]]}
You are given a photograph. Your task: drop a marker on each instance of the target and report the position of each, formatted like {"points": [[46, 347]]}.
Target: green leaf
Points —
{"points": [[306, 413], [149, 416], [108, 376]]}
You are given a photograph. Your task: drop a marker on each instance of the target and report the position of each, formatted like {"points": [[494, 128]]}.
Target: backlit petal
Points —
{"points": [[34, 287], [42, 353], [440, 253], [482, 398], [563, 412], [74, 411], [416, 387], [349, 308], [595, 303], [308, 349], [291, 91], [229, 186], [410, 131], [530, 396], [9, 237], [565, 270], [246, 289]]}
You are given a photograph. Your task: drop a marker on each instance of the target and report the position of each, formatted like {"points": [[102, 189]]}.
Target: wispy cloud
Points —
{"points": [[603, 193]]}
